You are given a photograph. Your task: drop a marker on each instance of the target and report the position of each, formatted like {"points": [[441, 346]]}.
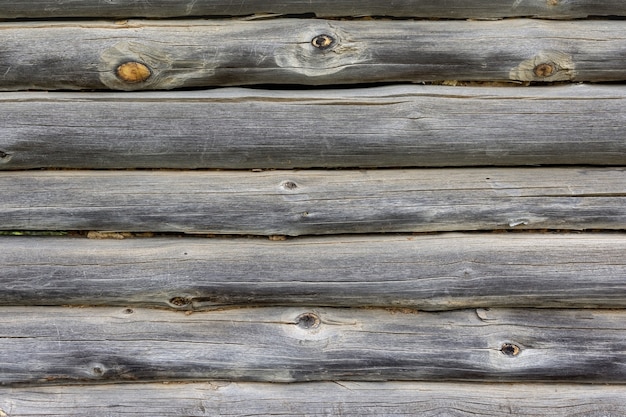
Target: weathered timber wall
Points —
{"points": [[56, 345], [405, 8], [149, 324], [315, 202], [355, 399], [136, 55], [437, 272], [374, 127]]}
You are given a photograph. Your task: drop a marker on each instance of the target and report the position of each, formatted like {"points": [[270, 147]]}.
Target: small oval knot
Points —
{"points": [[544, 70], [5, 157], [133, 72], [308, 321], [180, 301], [510, 349], [289, 185], [323, 41]]}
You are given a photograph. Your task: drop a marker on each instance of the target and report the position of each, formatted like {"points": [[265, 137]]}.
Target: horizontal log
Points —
{"points": [[443, 272], [314, 202], [317, 399], [395, 126], [321, 8], [139, 55], [102, 345]]}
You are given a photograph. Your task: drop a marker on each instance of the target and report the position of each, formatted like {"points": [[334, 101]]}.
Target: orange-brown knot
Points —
{"points": [[544, 70], [133, 72]]}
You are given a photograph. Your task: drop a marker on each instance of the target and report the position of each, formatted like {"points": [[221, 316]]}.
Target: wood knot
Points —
{"points": [[510, 349], [98, 370], [544, 70], [545, 66], [5, 157], [323, 41], [289, 185], [133, 72], [180, 301], [308, 321]]}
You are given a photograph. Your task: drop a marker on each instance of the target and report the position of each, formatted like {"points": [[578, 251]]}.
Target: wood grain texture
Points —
{"points": [[197, 53], [318, 399], [439, 272], [234, 128], [314, 202], [321, 8], [103, 345]]}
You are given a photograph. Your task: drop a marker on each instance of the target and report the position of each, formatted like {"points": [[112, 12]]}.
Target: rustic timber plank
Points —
{"points": [[314, 202], [440, 272], [102, 345], [318, 399], [404, 8], [392, 126], [139, 55]]}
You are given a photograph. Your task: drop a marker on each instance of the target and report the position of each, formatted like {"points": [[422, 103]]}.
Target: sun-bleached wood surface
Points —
{"points": [[322, 8], [62, 345], [395, 126], [314, 202], [146, 325], [141, 55], [354, 399], [429, 272]]}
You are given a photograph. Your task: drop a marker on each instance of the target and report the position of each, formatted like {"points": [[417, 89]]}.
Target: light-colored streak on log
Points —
{"points": [[195, 53], [398, 126], [321, 8], [59, 345], [342, 398], [443, 272], [315, 202]]}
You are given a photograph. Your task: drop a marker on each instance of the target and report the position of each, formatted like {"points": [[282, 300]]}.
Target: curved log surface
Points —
{"points": [[102, 345], [315, 202], [395, 126], [317, 399], [457, 9], [146, 55], [439, 272]]}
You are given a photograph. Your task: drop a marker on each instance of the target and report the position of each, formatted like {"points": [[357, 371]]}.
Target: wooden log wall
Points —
{"points": [[312, 208]]}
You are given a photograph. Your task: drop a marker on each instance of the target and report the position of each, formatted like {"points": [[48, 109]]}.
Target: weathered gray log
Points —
{"points": [[425, 272], [314, 202], [375, 127], [404, 8], [139, 55], [60, 345], [356, 399]]}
